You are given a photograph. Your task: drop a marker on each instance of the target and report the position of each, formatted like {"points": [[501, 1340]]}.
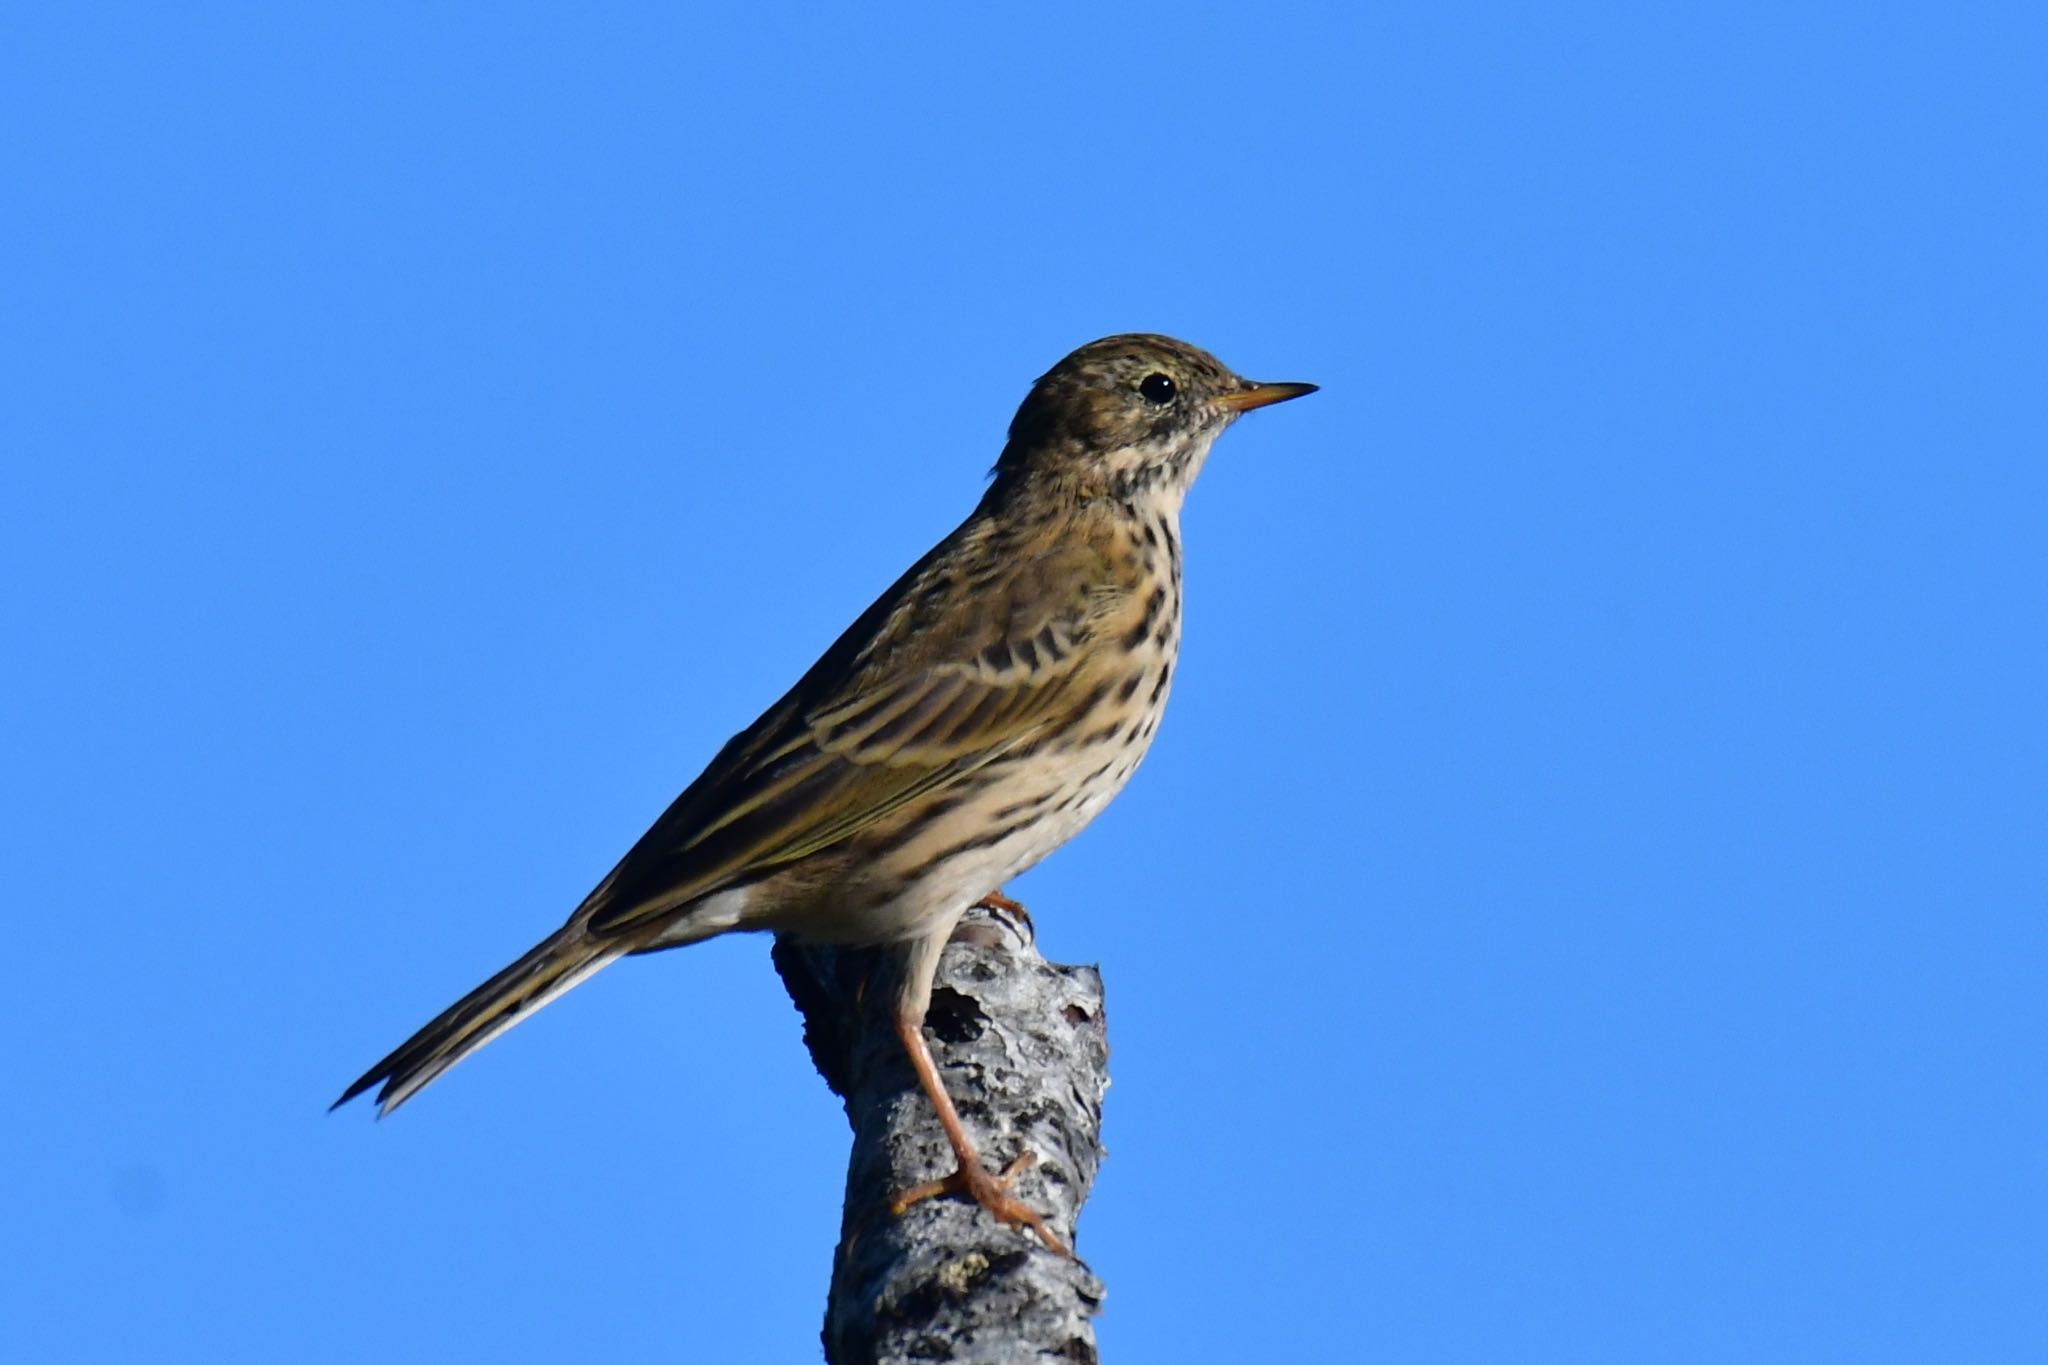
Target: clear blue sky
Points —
{"points": [[1586, 903]]}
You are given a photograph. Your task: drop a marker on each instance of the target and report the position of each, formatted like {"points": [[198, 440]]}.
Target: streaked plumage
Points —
{"points": [[973, 719]]}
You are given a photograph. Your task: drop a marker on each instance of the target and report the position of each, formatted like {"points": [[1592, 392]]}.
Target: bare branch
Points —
{"points": [[1024, 1050]]}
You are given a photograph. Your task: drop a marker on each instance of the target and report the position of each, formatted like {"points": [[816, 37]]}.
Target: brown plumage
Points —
{"points": [[973, 719]]}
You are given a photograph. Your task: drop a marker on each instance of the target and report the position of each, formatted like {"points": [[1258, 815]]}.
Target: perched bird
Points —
{"points": [[973, 719]]}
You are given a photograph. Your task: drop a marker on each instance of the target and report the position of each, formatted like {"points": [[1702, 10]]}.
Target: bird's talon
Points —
{"points": [[992, 1192], [1001, 904]]}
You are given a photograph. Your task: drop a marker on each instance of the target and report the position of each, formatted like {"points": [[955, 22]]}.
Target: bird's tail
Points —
{"points": [[560, 961]]}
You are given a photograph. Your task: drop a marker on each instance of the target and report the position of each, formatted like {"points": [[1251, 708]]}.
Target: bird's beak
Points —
{"points": [[1263, 395]]}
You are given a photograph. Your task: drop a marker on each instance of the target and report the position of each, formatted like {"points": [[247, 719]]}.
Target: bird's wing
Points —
{"points": [[949, 671]]}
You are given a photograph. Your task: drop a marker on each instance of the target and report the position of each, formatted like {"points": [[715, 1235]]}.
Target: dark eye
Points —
{"points": [[1157, 388]]}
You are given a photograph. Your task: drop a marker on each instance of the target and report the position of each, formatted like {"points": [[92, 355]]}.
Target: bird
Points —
{"points": [[972, 720]]}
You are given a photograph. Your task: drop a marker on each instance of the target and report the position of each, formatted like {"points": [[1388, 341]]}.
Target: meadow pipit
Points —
{"points": [[971, 721]]}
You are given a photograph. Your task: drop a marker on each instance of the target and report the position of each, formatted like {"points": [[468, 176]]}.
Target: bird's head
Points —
{"points": [[1128, 416]]}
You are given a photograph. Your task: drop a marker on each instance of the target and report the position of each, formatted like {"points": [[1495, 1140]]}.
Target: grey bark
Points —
{"points": [[1022, 1045]]}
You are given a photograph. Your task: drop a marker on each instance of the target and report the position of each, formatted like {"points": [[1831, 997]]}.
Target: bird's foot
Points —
{"points": [[1010, 915], [997, 901], [992, 1192]]}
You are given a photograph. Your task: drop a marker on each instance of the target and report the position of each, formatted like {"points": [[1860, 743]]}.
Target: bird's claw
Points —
{"points": [[992, 1192], [996, 900]]}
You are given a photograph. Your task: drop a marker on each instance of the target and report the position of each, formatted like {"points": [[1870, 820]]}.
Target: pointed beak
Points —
{"points": [[1263, 396]]}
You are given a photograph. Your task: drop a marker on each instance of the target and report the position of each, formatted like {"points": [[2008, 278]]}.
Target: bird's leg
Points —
{"points": [[920, 965], [992, 1192]]}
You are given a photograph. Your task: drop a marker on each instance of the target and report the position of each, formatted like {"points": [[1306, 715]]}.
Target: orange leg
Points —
{"points": [[992, 1192]]}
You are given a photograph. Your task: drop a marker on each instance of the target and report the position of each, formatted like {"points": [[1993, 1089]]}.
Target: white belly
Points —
{"points": [[944, 884]]}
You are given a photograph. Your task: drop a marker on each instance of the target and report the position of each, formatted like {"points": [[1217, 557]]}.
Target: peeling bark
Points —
{"points": [[1024, 1051]]}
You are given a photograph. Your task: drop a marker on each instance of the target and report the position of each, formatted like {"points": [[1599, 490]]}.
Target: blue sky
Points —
{"points": [[1586, 900]]}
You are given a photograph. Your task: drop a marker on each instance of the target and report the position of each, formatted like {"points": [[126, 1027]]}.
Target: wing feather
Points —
{"points": [[923, 691]]}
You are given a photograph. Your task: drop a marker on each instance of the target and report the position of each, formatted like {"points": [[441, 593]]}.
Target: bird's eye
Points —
{"points": [[1157, 388]]}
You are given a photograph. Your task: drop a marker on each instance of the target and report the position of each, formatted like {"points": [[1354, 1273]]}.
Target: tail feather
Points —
{"points": [[554, 965]]}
